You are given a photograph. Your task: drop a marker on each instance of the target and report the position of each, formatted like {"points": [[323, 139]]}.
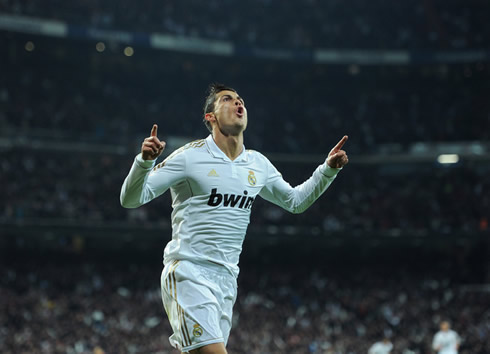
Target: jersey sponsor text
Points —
{"points": [[230, 200]]}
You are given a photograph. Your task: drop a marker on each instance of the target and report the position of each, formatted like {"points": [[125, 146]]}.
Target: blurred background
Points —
{"points": [[396, 245]]}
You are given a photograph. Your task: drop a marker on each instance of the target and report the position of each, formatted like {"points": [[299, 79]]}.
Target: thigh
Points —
{"points": [[229, 293], [217, 348], [193, 310]]}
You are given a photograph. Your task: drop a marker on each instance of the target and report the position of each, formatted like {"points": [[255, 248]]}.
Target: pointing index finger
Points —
{"points": [[154, 130], [341, 143]]}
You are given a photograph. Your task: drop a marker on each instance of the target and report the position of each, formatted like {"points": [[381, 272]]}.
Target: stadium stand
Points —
{"points": [[409, 198], [115, 306], [70, 90], [312, 23]]}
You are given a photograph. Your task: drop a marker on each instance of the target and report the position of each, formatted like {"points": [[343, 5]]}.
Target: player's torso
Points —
{"points": [[222, 184], [448, 342], [381, 348], [212, 206], [228, 184]]}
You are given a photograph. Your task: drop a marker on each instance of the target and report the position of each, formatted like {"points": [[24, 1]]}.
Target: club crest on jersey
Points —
{"points": [[197, 331], [251, 178], [230, 200]]}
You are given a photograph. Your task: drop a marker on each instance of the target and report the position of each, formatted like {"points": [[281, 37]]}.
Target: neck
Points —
{"points": [[231, 145]]}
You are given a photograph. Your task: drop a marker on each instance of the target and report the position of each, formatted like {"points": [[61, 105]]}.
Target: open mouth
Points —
{"points": [[240, 111]]}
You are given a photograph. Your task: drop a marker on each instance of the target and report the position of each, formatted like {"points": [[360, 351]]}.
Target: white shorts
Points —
{"points": [[198, 299]]}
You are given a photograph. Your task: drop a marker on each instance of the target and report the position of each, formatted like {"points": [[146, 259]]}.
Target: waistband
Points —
{"points": [[205, 263]]}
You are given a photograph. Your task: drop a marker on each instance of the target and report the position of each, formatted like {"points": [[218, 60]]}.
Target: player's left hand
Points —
{"points": [[337, 158]]}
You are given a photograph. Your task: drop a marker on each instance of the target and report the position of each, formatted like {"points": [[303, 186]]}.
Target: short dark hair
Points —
{"points": [[213, 89]]}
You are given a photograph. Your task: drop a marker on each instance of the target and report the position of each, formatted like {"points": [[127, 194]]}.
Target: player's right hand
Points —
{"points": [[337, 158], [152, 147]]}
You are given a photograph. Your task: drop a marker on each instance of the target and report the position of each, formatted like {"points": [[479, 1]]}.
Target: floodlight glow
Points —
{"points": [[29, 46], [100, 47], [448, 158], [128, 51]]}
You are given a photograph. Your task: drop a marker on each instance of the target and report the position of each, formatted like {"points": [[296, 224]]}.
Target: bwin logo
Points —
{"points": [[230, 200]]}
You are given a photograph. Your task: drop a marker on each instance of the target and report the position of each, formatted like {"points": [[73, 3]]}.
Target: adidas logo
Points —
{"points": [[213, 173]]}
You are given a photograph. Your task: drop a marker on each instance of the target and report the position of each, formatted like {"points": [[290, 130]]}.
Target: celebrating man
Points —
{"points": [[213, 183]]}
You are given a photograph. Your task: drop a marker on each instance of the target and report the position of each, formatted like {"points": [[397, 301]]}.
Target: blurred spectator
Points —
{"points": [[446, 341], [381, 347]]}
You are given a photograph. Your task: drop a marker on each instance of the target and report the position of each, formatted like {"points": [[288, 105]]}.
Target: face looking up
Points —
{"points": [[229, 113]]}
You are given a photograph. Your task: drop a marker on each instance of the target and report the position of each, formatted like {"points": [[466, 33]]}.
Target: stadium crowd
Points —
{"points": [[417, 198], [68, 93], [413, 24], [72, 92], [115, 307]]}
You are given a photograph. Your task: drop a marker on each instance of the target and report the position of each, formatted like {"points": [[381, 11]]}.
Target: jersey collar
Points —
{"points": [[217, 152]]}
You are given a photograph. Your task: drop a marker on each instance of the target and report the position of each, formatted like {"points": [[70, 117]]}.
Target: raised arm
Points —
{"points": [[300, 198], [146, 181]]}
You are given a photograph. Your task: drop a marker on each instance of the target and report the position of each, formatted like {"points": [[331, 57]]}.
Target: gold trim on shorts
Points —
{"points": [[172, 287]]}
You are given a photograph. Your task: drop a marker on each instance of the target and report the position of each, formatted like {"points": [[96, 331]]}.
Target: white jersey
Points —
{"points": [[212, 197], [446, 342], [380, 348]]}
